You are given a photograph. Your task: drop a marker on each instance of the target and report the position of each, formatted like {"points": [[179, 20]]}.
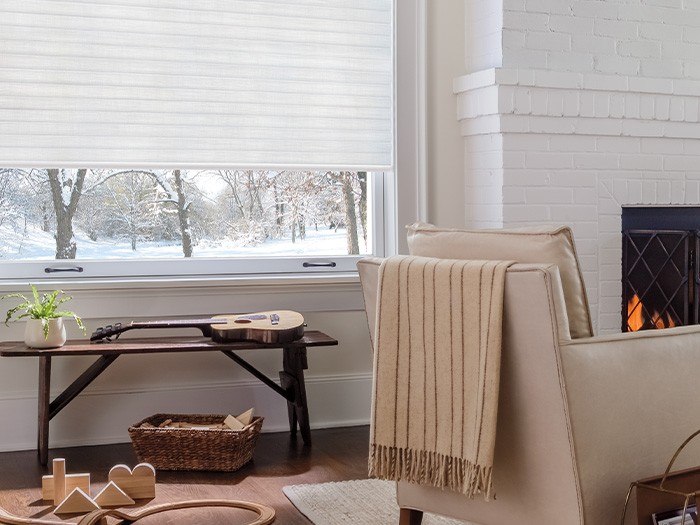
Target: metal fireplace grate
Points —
{"points": [[660, 274], [656, 289]]}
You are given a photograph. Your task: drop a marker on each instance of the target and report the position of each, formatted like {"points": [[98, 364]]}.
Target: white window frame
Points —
{"points": [[397, 198]]}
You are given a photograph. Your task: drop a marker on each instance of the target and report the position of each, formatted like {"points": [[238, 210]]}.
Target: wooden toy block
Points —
{"points": [[139, 483], [246, 417], [77, 502], [182, 424], [113, 496], [73, 481], [233, 423], [59, 480]]}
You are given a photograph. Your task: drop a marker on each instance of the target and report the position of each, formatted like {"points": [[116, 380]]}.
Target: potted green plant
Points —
{"points": [[45, 328]]}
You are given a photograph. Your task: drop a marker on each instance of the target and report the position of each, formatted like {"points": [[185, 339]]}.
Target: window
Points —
{"points": [[66, 220], [194, 138]]}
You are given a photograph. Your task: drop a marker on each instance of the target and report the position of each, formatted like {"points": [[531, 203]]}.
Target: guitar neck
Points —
{"points": [[204, 325], [176, 323]]}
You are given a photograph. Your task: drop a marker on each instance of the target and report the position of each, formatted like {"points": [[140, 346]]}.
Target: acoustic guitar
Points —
{"points": [[279, 326]]}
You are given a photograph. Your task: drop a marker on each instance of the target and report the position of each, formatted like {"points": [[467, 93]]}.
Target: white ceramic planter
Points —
{"points": [[34, 334]]}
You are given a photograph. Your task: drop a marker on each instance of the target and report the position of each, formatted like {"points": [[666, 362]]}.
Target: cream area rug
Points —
{"points": [[365, 501]]}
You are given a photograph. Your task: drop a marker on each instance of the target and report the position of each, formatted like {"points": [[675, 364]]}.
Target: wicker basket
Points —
{"points": [[194, 449]]}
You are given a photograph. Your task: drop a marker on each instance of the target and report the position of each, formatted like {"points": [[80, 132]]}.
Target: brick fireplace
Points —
{"points": [[574, 109]]}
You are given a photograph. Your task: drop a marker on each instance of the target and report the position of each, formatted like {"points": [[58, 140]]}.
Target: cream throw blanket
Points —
{"points": [[436, 372]]}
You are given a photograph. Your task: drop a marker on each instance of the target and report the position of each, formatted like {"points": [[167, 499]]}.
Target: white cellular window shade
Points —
{"points": [[239, 83]]}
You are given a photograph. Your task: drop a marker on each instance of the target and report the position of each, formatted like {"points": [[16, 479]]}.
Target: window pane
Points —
{"points": [[144, 214]]}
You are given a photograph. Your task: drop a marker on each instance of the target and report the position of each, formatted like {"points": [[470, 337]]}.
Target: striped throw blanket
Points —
{"points": [[436, 372]]}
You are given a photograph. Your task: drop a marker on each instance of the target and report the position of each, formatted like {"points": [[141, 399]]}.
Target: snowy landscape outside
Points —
{"points": [[143, 214]]}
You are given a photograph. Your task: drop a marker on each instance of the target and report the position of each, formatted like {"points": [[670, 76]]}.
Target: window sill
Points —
{"points": [[157, 283], [183, 296]]}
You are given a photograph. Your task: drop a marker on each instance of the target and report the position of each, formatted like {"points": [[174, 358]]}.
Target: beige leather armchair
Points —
{"points": [[579, 419]]}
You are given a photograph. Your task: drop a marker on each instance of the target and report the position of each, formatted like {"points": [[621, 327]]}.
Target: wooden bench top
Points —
{"points": [[154, 345]]}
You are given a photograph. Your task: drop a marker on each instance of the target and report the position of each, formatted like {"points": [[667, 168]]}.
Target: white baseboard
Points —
{"points": [[101, 416]]}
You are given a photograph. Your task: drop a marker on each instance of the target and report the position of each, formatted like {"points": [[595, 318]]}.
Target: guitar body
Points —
{"points": [[279, 326]]}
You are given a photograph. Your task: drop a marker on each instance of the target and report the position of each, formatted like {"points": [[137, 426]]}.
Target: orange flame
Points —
{"points": [[636, 317], [635, 314]]}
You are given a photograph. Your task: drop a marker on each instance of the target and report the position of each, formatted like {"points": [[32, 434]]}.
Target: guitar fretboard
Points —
{"points": [[177, 322]]}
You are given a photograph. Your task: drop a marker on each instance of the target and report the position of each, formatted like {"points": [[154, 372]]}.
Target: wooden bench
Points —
{"points": [[292, 387]]}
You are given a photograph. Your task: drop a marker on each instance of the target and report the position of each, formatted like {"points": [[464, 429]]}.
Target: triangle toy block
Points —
{"points": [[139, 483], [113, 496], [77, 502], [246, 417], [233, 423], [73, 481]]}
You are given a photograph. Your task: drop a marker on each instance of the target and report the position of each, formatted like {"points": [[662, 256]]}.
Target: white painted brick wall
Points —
{"points": [[483, 33], [483, 154], [591, 105], [584, 181], [658, 38], [560, 147]]}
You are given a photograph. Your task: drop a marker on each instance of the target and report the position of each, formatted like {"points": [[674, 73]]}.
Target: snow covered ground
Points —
{"points": [[35, 244]]}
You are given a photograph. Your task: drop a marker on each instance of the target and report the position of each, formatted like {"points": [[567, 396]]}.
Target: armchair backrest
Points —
{"points": [[541, 244]]}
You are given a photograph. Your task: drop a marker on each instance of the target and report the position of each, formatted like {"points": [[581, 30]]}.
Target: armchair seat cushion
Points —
{"points": [[525, 245]]}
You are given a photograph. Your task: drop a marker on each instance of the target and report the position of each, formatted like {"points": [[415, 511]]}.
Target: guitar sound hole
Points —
{"points": [[243, 321]]}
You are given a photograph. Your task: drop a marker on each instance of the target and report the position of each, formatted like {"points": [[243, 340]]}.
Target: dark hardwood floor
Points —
{"points": [[336, 455]]}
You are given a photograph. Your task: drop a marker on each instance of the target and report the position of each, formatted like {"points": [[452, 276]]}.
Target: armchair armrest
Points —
{"points": [[368, 269], [633, 398]]}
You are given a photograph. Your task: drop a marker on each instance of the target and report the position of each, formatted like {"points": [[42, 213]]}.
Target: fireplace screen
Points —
{"points": [[659, 274]]}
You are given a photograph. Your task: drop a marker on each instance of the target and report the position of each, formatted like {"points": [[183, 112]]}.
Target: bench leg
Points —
{"points": [[44, 403], [48, 409], [292, 415], [410, 517], [294, 363]]}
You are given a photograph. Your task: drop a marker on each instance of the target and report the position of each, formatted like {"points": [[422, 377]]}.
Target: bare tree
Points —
{"points": [[245, 187], [232, 180], [174, 190], [66, 189], [130, 207], [362, 179], [6, 206], [183, 211], [279, 207], [350, 214]]}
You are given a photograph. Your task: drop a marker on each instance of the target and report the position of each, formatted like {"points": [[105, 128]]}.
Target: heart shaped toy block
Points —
{"points": [[137, 483]]}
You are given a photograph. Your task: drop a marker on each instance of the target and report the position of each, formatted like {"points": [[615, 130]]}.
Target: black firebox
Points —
{"points": [[659, 271]]}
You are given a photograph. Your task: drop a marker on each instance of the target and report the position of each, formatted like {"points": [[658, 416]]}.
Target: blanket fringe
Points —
{"points": [[430, 468]]}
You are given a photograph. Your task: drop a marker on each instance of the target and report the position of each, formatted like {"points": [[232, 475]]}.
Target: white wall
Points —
{"points": [[445, 62]]}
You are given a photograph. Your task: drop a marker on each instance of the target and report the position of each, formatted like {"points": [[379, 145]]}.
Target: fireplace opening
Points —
{"points": [[659, 271]]}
